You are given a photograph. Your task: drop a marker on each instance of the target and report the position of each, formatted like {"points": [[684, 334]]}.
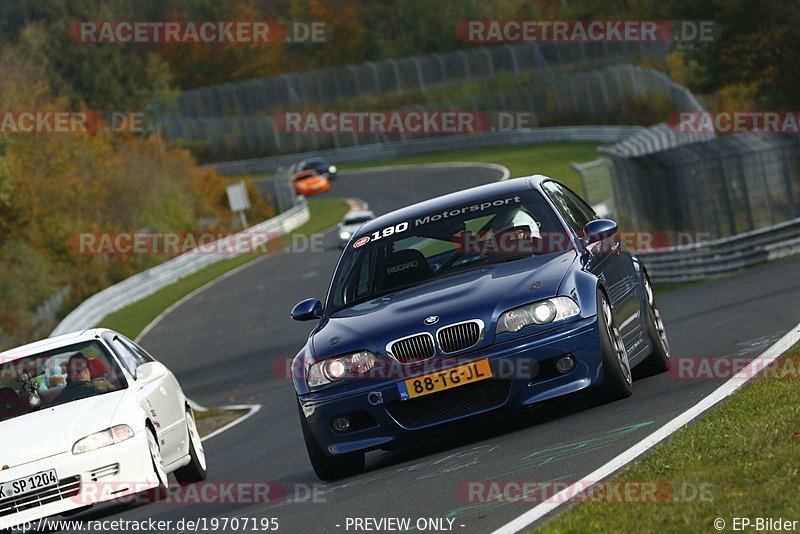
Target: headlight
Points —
{"points": [[335, 369], [98, 440], [542, 312], [344, 235], [332, 169]]}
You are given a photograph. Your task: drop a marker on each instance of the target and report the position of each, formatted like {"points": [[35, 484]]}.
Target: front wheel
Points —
{"points": [[325, 466], [158, 464], [658, 360], [195, 470], [617, 377]]}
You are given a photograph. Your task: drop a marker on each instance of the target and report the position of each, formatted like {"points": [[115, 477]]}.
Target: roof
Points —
{"points": [[49, 343], [459, 198]]}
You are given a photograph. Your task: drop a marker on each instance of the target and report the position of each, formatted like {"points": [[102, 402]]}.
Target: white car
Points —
{"points": [[352, 221], [86, 418]]}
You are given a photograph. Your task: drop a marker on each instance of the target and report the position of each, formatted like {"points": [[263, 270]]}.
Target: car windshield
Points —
{"points": [[57, 377], [317, 165], [445, 242]]}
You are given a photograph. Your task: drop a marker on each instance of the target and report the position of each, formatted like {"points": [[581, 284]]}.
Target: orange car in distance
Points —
{"points": [[310, 183]]}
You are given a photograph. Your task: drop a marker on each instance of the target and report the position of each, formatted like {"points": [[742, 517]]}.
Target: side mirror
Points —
{"points": [[599, 230], [307, 310], [150, 372]]}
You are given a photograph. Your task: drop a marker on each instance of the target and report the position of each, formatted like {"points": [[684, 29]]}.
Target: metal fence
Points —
{"points": [[622, 94], [698, 261], [420, 74], [722, 187]]}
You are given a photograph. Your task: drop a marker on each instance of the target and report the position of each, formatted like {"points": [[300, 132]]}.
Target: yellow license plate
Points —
{"points": [[446, 379]]}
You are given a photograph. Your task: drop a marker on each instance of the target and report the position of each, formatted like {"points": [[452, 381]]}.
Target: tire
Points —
{"points": [[196, 470], [155, 494], [617, 376], [327, 467], [659, 359]]}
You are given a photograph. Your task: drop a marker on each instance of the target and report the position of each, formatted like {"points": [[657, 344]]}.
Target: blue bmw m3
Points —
{"points": [[496, 297]]}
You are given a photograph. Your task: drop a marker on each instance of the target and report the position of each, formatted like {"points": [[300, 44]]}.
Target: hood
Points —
{"points": [[52, 431], [477, 294]]}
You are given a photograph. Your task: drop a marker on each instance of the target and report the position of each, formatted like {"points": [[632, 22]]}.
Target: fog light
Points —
{"points": [[565, 364], [341, 424]]}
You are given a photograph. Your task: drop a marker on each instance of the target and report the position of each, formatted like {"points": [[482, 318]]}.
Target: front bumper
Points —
{"points": [[522, 379], [85, 479]]}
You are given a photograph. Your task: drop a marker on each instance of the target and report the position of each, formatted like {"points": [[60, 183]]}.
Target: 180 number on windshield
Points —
{"points": [[380, 234]]}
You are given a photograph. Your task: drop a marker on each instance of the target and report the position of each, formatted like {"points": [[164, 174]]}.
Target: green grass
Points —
{"points": [[743, 455], [132, 319], [552, 159]]}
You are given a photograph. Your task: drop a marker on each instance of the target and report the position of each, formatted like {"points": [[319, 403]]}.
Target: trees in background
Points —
{"points": [[755, 49], [56, 186]]}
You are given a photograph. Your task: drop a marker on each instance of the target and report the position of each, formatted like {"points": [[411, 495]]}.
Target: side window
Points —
{"points": [[129, 358], [575, 212], [142, 355]]}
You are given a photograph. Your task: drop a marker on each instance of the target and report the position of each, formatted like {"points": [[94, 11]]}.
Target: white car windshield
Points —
{"points": [[57, 377]]}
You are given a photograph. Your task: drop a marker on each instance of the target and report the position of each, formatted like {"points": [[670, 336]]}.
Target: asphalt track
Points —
{"points": [[227, 345]]}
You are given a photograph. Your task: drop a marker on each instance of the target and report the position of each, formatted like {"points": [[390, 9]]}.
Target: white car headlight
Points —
{"points": [[101, 439], [542, 312], [334, 369], [332, 169], [344, 235]]}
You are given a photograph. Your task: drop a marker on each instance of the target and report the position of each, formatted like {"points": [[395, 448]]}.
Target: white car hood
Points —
{"points": [[52, 431]]}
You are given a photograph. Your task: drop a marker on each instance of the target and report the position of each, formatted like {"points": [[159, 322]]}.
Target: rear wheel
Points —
{"points": [[329, 467], [195, 470], [617, 377], [658, 360]]}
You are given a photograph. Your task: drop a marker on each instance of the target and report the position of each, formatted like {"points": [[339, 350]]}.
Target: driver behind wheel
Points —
{"points": [[79, 380]]}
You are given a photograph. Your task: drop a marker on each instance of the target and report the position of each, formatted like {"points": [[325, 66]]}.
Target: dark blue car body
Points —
{"points": [[382, 419]]}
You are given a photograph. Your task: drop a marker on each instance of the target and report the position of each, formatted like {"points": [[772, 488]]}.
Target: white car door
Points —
{"points": [[159, 395]]}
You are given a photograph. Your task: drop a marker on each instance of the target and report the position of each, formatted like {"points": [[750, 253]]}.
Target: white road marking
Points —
{"points": [[252, 409], [614, 465]]}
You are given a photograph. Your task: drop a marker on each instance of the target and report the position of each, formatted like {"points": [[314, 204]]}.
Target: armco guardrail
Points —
{"points": [[699, 261], [413, 147], [143, 284]]}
